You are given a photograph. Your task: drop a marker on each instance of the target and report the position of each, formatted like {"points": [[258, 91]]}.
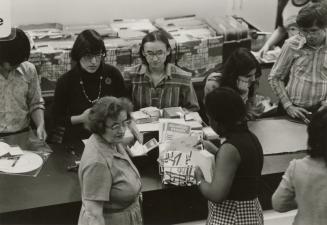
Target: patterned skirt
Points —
{"points": [[232, 212]]}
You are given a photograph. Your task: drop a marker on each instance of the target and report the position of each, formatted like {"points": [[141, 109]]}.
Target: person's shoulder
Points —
{"points": [[179, 72], [134, 71], [68, 76], [27, 69], [308, 162], [92, 151], [114, 71]]}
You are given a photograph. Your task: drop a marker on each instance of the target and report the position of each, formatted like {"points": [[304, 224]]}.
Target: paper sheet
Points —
{"points": [[279, 135]]}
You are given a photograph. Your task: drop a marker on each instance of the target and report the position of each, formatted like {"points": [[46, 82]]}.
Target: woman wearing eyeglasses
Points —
{"points": [[157, 82], [110, 183], [241, 72], [78, 89]]}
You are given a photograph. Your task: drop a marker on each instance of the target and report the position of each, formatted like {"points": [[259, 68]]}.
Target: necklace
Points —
{"points": [[84, 92]]}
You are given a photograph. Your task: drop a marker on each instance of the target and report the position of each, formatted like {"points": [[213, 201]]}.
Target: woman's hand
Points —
{"points": [[263, 51], [82, 118], [85, 115], [41, 133]]}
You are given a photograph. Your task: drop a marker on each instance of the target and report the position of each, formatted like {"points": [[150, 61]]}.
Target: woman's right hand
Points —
{"points": [[82, 118], [85, 115], [263, 51]]}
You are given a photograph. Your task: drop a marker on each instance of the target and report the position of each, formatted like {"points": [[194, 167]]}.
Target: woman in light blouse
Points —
{"points": [[110, 183], [304, 184]]}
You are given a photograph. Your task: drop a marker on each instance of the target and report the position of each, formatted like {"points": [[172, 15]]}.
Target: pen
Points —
{"points": [[15, 161]]}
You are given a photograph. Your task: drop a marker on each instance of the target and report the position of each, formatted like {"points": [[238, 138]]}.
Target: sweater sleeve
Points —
{"points": [[60, 105], [121, 88], [283, 199]]}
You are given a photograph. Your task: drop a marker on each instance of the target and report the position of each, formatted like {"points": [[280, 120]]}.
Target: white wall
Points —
{"points": [[260, 13], [104, 11]]}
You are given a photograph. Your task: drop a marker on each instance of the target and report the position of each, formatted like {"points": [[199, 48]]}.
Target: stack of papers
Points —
{"points": [[177, 167], [173, 130], [146, 115], [173, 112], [132, 28], [139, 150]]}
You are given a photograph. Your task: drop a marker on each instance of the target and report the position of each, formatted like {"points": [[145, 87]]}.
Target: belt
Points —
{"points": [[16, 132]]}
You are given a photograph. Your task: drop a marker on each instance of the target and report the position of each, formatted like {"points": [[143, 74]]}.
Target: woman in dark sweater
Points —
{"points": [[233, 193], [78, 89]]}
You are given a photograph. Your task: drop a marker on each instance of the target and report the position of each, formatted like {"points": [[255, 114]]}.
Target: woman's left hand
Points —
{"points": [[41, 133]]}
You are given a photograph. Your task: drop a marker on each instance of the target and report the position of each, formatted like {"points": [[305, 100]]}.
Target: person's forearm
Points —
{"points": [[279, 89], [38, 117], [283, 200], [210, 194], [77, 119], [276, 37]]}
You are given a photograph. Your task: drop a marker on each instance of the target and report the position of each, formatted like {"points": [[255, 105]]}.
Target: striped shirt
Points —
{"points": [[307, 70], [20, 95], [175, 89]]}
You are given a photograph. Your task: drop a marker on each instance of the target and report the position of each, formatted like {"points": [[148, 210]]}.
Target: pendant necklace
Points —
{"points": [[84, 92]]}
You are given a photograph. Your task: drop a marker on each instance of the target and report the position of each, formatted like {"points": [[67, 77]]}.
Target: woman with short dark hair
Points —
{"points": [[304, 184], [157, 82], [233, 192], [77, 90], [110, 183]]}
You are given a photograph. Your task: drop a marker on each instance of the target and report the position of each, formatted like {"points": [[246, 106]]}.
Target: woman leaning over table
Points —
{"points": [[78, 89], [304, 184], [110, 183], [157, 82], [233, 193], [241, 72]]}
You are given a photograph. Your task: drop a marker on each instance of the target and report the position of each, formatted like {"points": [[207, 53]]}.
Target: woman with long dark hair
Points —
{"points": [[241, 72], [157, 82]]}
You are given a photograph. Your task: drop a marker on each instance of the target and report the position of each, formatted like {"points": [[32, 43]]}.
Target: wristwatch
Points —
{"points": [[199, 183]]}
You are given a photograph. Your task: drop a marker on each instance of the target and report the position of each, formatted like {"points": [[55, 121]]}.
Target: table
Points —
{"points": [[53, 197]]}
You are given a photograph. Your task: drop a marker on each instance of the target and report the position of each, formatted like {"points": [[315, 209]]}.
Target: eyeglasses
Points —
{"points": [[158, 54], [117, 126], [89, 57], [310, 31]]}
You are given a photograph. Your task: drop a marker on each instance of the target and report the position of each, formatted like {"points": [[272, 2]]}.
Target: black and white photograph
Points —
{"points": [[152, 112]]}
